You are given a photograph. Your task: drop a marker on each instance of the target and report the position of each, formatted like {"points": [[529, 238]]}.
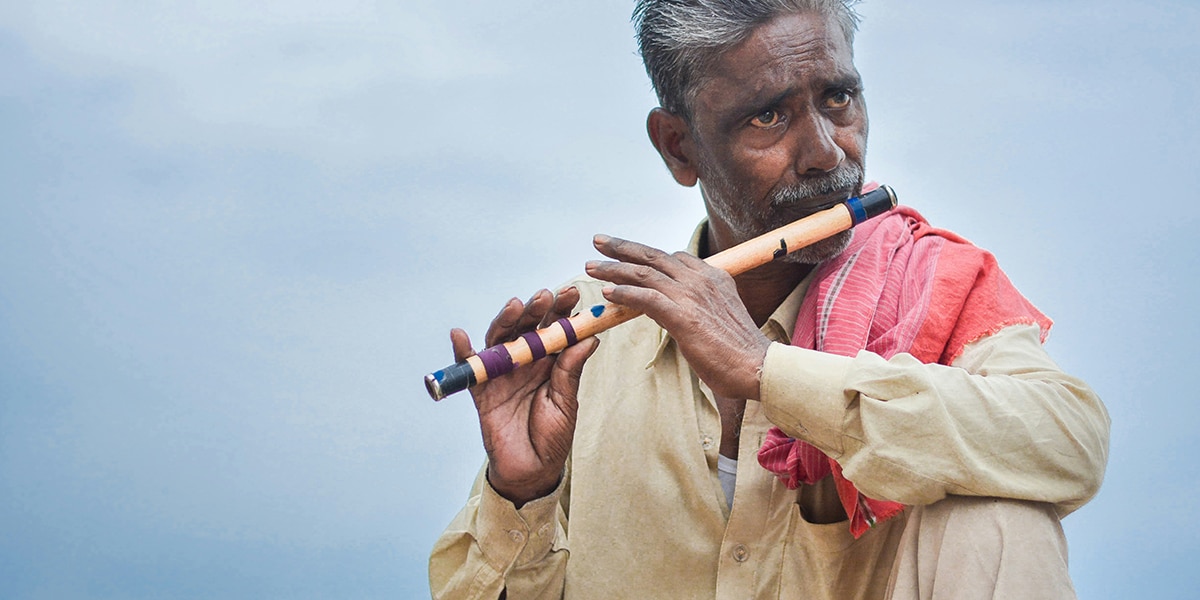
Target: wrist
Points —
{"points": [[751, 384], [522, 493]]}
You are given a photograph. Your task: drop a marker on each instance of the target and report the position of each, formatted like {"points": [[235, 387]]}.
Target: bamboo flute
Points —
{"points": [[500, 359]]}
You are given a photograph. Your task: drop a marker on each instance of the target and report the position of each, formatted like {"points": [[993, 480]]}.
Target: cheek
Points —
{"points": [[763, 168], [858, 145], [853, 138], [747, 171]]}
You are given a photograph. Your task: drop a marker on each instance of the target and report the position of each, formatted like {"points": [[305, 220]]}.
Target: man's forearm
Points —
{"points": [[1004, 421]]}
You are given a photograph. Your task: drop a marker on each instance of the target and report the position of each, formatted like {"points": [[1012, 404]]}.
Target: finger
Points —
{"points": [[691, 261], [639, 254], [501, 328], [537, 307], [460, 342], [699, 270], [653, 303], [622, 273], [564, 378], [564, 304]]}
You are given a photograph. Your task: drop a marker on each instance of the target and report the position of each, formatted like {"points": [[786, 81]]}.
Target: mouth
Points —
{"points": [[828, 205], [811, 204]]}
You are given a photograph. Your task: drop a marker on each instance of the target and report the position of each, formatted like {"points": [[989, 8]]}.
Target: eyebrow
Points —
{"points": [[849, 80], [759, 103], [846, 80]]}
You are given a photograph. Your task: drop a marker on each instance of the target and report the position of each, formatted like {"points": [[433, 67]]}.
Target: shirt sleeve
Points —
{"points": [[1002, 421], [491, 546]]}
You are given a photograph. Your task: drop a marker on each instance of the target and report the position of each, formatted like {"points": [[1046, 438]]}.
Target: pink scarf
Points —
{"points": [[901, 286]]}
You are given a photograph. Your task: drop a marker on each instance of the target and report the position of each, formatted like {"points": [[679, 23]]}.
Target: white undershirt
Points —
{"points": [[727, 474]]}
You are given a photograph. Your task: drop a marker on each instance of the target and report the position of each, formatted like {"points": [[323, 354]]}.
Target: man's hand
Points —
{"points": [[528, 416], [696, 303]]}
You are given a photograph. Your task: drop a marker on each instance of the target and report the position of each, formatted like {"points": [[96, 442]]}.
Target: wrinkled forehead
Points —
{"points": [[786, 42], [789, 54]]}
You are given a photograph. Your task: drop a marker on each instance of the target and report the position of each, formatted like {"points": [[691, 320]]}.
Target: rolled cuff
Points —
{"points": [[803, 393], [511, 537]]}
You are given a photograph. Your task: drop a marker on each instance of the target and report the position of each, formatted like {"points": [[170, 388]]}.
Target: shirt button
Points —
{"points": [[706, 442], [740, 553], [516, 536]]}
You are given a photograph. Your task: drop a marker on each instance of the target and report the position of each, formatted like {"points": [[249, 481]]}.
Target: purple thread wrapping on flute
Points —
{"points": [[569, 330], [536, 347], [496, 361]]}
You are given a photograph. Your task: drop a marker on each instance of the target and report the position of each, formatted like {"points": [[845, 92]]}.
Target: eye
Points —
{"points": [[839, 99], [766, 118]]}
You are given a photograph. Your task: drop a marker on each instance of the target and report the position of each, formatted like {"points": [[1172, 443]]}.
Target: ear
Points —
{"points": [[673, 139]]}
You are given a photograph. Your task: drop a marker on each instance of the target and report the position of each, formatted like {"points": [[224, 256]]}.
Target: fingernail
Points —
{"points": [[600, 238], [591, 264]]}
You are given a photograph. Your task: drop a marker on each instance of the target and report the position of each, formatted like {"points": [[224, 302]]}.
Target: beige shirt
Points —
{"points": [[641, 514]]}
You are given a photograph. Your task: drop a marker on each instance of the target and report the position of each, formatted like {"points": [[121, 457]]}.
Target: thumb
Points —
{"points": [[564, 379]]}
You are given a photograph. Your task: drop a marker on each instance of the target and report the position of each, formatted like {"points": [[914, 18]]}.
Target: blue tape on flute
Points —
{"points": [[871, 204], [455, 378]]}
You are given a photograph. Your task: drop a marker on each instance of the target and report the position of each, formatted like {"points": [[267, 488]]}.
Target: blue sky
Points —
{"points": [[233, 238]]}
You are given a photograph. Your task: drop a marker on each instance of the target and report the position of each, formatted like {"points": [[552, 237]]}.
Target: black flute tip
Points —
{"points": [[452, 379], [872, 204]]}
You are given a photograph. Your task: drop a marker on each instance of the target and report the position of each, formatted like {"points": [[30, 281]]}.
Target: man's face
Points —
{"points": [[780, 130]]}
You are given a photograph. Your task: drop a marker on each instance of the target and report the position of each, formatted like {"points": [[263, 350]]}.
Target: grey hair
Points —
{"points": [[679, 39]]}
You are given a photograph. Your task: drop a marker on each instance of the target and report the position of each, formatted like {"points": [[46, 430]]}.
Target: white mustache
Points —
{"points": [[849, 177]]}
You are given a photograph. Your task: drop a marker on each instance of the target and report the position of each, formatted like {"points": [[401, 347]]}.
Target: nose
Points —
{"points": [[816, 149]]}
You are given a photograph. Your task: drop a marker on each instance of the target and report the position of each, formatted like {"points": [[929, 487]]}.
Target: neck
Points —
{"points": [[762, 290]]}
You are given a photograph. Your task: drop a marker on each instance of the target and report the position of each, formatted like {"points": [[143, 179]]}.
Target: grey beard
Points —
{"points": [[849, 177], [744, 227]]}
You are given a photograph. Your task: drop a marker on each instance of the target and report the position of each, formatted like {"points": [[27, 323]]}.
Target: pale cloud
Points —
{"points": [[285, 75], [305, 43]]}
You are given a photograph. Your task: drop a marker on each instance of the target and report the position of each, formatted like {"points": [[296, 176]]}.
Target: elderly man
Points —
{"points": [[871, 417]]}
